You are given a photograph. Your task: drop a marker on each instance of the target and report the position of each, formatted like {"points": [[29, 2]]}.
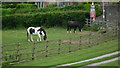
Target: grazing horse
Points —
{"points": [[73, 24], [36, 31]]}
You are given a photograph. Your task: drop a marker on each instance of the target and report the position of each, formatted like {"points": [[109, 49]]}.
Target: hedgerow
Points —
{"points": [[49, 19], [29, 8], [23, 16]]}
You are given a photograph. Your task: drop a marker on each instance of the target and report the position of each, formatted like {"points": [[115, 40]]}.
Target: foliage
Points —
{"points": [[25, 15], [29, 8], [9, 5], [51, 6], [6, 11], [24, 5], [94, 27], [49, 19], [74, 7]]}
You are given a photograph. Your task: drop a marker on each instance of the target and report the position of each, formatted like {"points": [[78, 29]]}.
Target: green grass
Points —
{"points": [[98, 60], [74, 56], [20, 36], [11, 38], [114, 63]]}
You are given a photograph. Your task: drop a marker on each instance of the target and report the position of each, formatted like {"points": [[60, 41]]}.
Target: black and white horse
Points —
{"points": [[75, 25], [36, 31]]}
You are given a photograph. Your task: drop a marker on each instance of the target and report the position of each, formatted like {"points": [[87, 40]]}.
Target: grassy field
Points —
{"points": [[10, 37], [114, 63], [19, 36]]}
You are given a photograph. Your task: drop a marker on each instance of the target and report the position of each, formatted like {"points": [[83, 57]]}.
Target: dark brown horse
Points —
{"points": [[75, 25]]}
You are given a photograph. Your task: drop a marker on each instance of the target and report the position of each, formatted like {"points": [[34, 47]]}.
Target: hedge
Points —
{"points": [[49, 19], [24, 5], [52, 8]]}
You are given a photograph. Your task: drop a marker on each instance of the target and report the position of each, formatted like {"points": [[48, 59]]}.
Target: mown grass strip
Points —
{"points": [[95, 61], [114, 63]]}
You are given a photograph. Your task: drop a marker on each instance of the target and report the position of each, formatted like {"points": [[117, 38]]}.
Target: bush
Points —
{"points": [[74, 7], [52, 5], [8, 5], [23, 5], [7, 11], [49, 19], [30, 8], [94, 27]]}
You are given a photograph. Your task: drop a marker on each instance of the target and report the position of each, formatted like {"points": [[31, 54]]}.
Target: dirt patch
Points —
{"points": [[84, 32], [76, 42]]}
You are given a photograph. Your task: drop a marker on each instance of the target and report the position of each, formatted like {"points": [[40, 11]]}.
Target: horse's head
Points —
{"points": [[43, 33]]}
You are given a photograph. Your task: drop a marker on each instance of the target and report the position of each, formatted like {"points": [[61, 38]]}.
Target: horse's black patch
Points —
{"points": [[41, 29], [73, 24], [32, 31]]}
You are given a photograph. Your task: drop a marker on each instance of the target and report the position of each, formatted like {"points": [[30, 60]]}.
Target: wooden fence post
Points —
{"points": [[59, 43], [70, 45], [80, 42], [17, 53], [33, 51], [46, 50]]}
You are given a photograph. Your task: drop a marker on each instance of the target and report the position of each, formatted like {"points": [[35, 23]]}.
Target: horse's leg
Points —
{"points": [[28, 37], [39, 37], [67, 29], [75, 29], [31, 37], [80, 29]]}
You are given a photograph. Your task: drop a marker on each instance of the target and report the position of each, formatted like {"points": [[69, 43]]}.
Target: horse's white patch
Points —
{"points": [[75, 31], [43, 33], [81, 30], [35, 31]]}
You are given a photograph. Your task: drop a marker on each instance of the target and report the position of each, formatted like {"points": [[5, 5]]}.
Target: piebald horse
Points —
{"points": [[73, 24], [36, 31]]}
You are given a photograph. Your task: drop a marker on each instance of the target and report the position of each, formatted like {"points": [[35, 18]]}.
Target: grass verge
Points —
{"points": [[99, 60]]}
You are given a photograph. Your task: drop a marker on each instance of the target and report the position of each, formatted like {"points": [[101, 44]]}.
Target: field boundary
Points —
{"points": [[99, 57]]}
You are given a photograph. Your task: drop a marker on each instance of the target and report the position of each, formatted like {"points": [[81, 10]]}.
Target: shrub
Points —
{"points": [[51, 6], [30, 8], [74, 7], [23, 5], [49, 19], [6, 11], [94, 27], [8, 5]]}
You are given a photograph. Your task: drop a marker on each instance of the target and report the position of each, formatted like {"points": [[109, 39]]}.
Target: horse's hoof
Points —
{"points": [[37, 40], [28, 40]]}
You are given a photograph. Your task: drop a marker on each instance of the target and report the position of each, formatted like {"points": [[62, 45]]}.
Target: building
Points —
{"points": [[58, 3]]}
